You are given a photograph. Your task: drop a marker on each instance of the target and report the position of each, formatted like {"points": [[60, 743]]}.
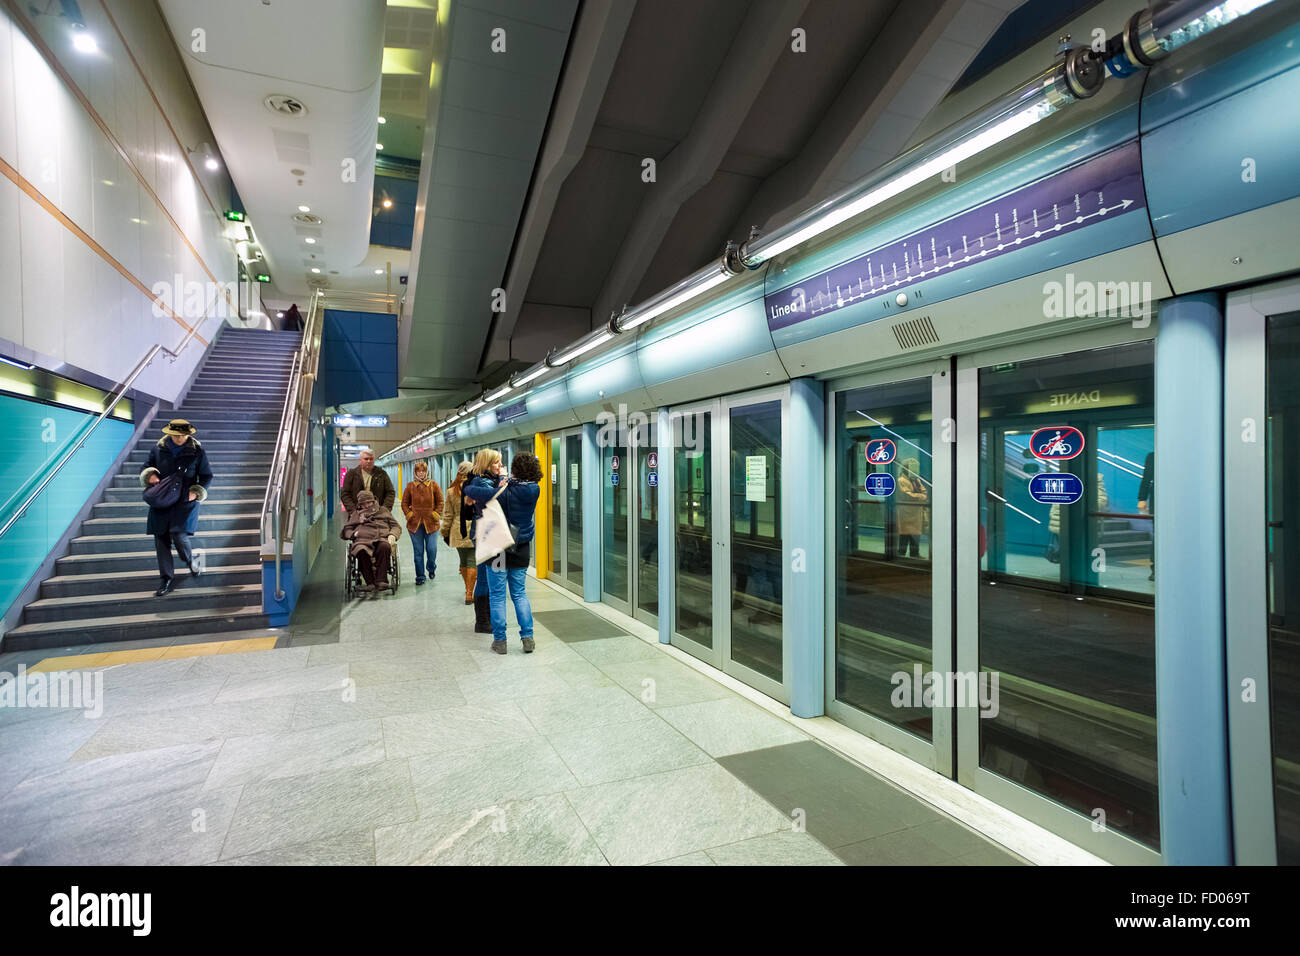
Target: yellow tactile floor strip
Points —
{"points": [[176, 651]]}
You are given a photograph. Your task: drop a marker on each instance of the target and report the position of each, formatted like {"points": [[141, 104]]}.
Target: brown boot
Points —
{"points": [[471, 578]]}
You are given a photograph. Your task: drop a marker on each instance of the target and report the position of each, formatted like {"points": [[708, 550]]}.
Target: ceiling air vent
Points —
{"points": [[916, 333], [285, 105], [310, 219]]}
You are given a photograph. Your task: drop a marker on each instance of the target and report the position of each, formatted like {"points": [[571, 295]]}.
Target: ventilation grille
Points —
{"points": [[916, 333], [310, 219]]}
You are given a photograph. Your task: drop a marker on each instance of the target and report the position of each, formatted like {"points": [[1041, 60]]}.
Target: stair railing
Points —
{"points": [[50, 473], [280, 502]]}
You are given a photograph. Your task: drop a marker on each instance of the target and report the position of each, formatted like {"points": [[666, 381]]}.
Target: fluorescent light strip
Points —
{"points": [[583, 348], [671, 303], [499, 392], [914, 177], [16, 364], [475, 407], [535, 373]]}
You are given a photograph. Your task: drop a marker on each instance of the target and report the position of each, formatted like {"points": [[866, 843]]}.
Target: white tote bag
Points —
{"points": [[492, 531]]}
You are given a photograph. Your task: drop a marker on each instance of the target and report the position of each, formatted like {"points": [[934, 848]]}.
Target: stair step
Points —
{"points": [[94, 527], [115, 543], [213, 506], [127, 561], [113, 582], [190, 594], [251, 492], [129, 627], [130, 478]]}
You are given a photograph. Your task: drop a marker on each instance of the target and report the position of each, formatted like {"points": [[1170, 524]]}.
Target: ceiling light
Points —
{"points": [[582, 347], [379, 145], [660, 305], [279, 315], [475, 407], [382, 120], [535, 373], [304, 208], [310, 241], [314, 269], [499, 392], [212, 164], [83, 42], [387, 204], [379, 272], [16, 364]]}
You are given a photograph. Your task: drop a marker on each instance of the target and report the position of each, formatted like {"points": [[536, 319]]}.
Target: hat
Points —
{"points": [[179, 426]]}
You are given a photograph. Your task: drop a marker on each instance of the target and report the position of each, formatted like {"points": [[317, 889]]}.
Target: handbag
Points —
{"points": [[164, 493], [492, 531]]}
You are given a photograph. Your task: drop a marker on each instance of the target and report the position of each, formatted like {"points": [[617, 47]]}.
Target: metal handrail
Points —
{"points": [[280, 502], [116, 399]]}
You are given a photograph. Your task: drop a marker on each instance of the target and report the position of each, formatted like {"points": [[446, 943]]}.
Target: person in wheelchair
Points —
{"points": [[373, 532]]}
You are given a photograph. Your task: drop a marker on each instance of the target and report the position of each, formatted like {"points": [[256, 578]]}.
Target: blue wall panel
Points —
{"points": [[39, 435], [358, 357]]}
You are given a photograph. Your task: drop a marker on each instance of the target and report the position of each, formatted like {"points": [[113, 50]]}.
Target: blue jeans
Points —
{"points": [[514, 579], [424, 543]]}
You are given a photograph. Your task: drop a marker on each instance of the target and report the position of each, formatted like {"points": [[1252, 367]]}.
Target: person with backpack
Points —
{"points": [[175, 479]]}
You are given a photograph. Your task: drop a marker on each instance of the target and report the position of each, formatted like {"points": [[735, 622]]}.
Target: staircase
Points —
{"points": [[103, 589]]}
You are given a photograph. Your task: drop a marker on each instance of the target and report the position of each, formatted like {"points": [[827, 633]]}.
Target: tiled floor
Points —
{"points": [[386, 732]]}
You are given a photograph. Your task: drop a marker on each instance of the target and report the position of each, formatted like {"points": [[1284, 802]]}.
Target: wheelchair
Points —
{"points": [[353, 582]]}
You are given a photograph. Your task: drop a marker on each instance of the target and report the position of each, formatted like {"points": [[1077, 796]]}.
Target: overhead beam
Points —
{"points": [[763, 37], [593, 51]]}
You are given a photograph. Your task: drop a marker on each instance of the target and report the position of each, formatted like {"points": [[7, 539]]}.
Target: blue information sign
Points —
{"points": [[360, 421], [1055, 488], [613, 477], [653, 479], [880, 484]]}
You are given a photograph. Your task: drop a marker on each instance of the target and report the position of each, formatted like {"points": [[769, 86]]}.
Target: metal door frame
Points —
{"points": [[937, 754], [1060, 819], [634, 516], [623, 605], [1250, 738]]}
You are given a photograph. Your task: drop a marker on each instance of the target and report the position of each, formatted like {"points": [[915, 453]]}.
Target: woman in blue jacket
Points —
{"points": [[510, 570], [178, 453]]}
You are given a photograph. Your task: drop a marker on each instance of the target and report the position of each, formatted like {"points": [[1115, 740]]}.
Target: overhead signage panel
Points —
{"points": [[1089, 192], [360, 421]]}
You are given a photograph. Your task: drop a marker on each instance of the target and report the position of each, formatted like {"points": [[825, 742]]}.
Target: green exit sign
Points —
{"points": [[263, 277], [234, 215]]}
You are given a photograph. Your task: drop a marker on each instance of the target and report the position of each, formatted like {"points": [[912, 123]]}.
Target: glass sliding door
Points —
{"points": [[693, 541], [572, 478], [1056, 602], [890, 616], [556, 499], [615, 516], [1262, 565], [646, 524], [756, 563]]}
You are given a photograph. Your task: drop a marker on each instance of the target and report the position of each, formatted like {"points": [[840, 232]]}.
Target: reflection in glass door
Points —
{"points": [[571, 476], [556, 491], [1056, 490], [891, 540], [756, 561], [693, 530], [614, 493], [645, 531]]}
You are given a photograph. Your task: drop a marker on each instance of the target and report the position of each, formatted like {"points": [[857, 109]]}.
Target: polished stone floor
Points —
{"points": [[384, 732]]}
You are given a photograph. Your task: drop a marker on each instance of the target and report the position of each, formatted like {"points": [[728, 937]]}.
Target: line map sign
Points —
{"points": [[1075, 198]]}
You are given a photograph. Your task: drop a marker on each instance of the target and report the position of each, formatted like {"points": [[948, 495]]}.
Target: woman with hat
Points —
{"points": [[178, 460]]}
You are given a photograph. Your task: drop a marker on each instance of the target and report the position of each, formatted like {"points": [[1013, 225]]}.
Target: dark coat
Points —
{"points": [[191, 461], [381, 486], [518, 502]]}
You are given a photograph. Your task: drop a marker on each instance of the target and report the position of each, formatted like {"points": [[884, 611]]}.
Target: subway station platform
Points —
{"points": [[382, 731]]}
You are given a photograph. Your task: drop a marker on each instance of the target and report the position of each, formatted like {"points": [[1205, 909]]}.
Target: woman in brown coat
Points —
{"points": [[459, 533], [422, 505], [911, 504], [373, 532]]}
